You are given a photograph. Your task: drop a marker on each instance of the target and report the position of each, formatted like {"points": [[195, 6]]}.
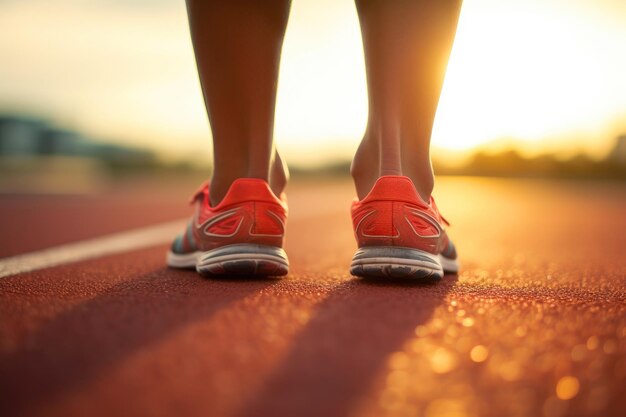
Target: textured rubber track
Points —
{"points": [[537, 311]]}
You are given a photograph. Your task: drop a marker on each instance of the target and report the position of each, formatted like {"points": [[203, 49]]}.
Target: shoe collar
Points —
{"points": [[400, 188], [202, 193]]}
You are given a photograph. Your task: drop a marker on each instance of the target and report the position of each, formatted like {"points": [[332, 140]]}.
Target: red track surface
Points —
{"points": [[542, 290]]}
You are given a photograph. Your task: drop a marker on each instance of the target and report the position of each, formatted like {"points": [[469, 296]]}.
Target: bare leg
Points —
{"points": [[407, 44], [237, 44]]}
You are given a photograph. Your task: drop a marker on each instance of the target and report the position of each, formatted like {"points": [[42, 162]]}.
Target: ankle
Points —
{"points": [[417, 166], [279, 175], [220, 184], [365, 167], [223, 178], [423, 179], [376, 157], [379, 154]]}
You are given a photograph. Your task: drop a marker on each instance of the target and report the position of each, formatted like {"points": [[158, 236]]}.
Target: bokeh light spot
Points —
{"points": [[567, 387], [479, 353]]}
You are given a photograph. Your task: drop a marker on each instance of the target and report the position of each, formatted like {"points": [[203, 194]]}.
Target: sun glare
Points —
{"points": [[543, 76], [529, 74]]}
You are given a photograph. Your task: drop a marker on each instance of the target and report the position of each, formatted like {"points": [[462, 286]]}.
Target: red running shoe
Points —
{"points": [[242, 235], [399, 235]]}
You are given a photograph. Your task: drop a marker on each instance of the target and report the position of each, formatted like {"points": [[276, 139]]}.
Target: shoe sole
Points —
{"points": [[401, 263], [239, 259]]}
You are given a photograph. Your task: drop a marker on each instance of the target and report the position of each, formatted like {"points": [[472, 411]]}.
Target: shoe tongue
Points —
{"points": [[201, 193]]}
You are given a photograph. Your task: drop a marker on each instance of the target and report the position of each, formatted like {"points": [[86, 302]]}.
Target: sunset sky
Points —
{"points": [[548, 74]]}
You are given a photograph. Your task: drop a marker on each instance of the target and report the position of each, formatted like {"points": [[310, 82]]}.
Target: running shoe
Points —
{"points": [[400, 235], [242, 235]]}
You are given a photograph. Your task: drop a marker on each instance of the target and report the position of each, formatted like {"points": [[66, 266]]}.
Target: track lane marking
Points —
{"points": [[92, 248], [120, 242]]}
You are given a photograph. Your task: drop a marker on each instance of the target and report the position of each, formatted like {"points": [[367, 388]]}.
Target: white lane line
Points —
{"points": [[117, 243], [92, 248]]}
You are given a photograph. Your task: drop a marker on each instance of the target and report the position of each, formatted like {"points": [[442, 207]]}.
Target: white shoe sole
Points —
{"points": [[239, 259], [397, 262]]}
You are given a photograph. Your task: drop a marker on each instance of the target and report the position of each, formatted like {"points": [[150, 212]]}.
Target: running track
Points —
{"points": [[534, 325]]}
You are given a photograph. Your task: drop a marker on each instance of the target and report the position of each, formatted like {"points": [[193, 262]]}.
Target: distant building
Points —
{"points": [[30, 136], [54, 141], [20, 135], [26, 136]]}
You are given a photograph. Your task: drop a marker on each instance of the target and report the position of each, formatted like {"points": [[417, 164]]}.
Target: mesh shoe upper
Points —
{"points": [[249, 213], [393, 214]]}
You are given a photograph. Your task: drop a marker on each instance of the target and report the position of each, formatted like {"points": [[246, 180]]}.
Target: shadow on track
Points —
{"points": [[77, 346], [344, 346]]}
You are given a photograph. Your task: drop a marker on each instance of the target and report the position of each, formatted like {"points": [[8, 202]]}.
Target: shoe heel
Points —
{"points": [[396, 262], [243, 259]]}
